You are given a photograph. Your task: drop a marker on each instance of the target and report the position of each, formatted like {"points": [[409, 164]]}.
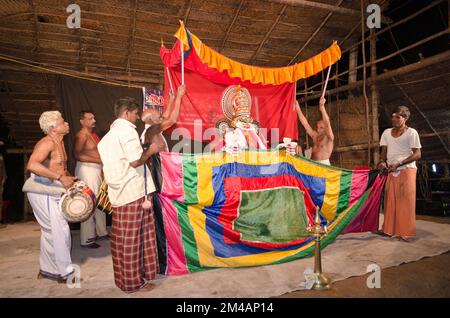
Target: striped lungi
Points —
{"points": [[133, 246]]}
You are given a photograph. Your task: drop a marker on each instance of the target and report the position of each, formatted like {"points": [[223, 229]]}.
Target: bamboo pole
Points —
{"points": [[354, 147], [430, 38], [230, 26], [88, 76], [438, 58], [352, 65], [336, 84], [324, 6], [325, 20], [306, 114], [374, 95], [266, 36], [366, 100], [26, 203], [393, 25]]}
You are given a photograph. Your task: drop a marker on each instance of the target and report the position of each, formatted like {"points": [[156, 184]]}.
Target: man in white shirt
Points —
{"points": [[400, 149], [133, 243]]}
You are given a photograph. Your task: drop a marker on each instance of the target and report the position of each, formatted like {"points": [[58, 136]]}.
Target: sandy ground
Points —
{"points": [[415, 276]]}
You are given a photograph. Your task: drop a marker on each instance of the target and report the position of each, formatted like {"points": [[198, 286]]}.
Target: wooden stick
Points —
{"points": [[326, 81], [366, 100], [170, 79], [182, 63]]}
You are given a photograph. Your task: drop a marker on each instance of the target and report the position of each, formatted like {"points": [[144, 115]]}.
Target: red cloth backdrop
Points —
{"points": [[272, 105]]}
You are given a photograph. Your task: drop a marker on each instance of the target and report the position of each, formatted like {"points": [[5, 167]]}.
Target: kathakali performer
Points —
{"points": [[239, 131]]}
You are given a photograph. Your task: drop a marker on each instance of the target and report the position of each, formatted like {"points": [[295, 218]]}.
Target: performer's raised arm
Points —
{"points": [[173, 117], [326, 119], [304, 121], [169, 104], [158, 122]]}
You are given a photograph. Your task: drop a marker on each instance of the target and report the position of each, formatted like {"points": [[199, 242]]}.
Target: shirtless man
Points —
{"points": [[48, 163], [158, 123], [323, 137], [89, 170]]}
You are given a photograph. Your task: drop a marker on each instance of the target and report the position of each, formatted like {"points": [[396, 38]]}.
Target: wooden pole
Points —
{"points": [[374, 95], [336, 84], [280, 15], [325, 20], [324, 6], [384, 58], [71, 73], [438, 58], [230, 26], [366, 100], [445, 132], [26, 204], [393, 25], [354, 148], [352, 64], [306, 114]]}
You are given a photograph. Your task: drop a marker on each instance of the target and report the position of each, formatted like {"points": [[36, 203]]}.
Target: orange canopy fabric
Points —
{"points": [[256, 74]]}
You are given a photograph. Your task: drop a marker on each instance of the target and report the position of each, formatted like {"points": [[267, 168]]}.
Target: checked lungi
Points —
{"points": [[133, 246]]}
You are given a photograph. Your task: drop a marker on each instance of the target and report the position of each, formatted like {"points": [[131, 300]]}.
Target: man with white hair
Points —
{"points": [[155, 124], [48, 163]]}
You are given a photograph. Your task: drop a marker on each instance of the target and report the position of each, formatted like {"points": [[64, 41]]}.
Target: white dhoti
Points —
{"points": [[325, 162], [55, 261], [91, 174]]}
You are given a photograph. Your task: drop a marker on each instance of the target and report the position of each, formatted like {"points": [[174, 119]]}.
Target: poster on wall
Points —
{"points": [[153, 99]]}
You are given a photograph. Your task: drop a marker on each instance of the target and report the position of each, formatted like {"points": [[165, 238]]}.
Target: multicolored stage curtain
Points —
{"points": [[208, 74], [253, 209]]}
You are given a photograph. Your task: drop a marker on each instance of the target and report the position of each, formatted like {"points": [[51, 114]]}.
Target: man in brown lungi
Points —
{"points": [[400, 145], [133, 242]]}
